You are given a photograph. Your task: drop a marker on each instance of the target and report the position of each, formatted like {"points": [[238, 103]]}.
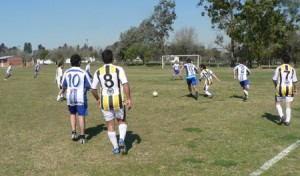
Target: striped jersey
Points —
{"points": [[111, 78], [285, 76], [58, 75], [191, 70], [77, 83], [37, 67], [242, 72], [207, 75], [176, 66]]}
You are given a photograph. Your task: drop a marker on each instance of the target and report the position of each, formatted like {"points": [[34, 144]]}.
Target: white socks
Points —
{"points": [[288, 114], [113, 138], [207, 93], [279, 110], [122, 131]]}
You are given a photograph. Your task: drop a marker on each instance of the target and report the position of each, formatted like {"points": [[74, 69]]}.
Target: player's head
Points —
{"points": [[202, 66], [75, 60], [60, 64], [286, 58], [239, 60], [189, 60], [176, 61], [107, 56], [89, 62]]}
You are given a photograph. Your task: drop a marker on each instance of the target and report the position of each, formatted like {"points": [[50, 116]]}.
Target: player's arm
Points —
{"points": [[234, 72], [294, 88], [126, 89], [94, 88], [215, 77], [181, 68]]}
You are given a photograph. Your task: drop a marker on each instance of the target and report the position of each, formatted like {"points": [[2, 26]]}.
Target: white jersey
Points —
{"points": [[77, 83], [37, 67], [88, 68], [111, 78], [191, 70], [242, 72], [176, 66], [8, 71], [58, 75]]}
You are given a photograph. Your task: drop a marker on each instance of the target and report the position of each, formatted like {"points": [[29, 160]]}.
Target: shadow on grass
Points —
{"points": [[131, 138], [94, 131], [271, 117], [189, 96], [237, 96]]}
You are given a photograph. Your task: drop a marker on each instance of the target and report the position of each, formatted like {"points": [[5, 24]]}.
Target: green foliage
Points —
{"points": [[27, 48]]}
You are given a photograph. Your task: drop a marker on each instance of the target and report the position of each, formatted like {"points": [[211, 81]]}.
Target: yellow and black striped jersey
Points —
{"points": [[207, 75], [285, 76], [111, 78]]}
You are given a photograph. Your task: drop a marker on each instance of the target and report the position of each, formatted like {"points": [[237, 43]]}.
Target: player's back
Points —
{"points": [[285, 75], [77, 82], [242, 72], [191, 70], [111, 78]]}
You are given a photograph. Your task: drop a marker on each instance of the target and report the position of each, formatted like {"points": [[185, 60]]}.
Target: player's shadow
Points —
{"points": [[130, 139], [271, 117], [237, 96], [94, 131], [189, 96]]}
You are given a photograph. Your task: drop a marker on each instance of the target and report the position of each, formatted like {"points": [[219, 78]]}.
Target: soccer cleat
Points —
{"points": [[73, 136], [281, 120], [82, 140], [122, 146], [116, 151], [286, 123], [209, 96], [197, 95]]}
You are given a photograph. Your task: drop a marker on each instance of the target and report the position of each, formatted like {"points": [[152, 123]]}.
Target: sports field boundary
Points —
{"points": [[267, 165]]}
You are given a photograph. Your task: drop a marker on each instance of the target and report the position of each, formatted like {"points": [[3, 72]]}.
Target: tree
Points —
{"points": [[294, 47], [222, 14], [263, 28], [27, 48], [185, 42], [163, 18]]}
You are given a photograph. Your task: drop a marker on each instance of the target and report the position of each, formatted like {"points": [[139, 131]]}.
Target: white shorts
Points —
{"points": [[111, 114], [284, 99]]}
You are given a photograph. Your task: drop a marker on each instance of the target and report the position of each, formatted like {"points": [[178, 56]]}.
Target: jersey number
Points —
{"points": [[108, 80], [74, 81], [287, 74]]}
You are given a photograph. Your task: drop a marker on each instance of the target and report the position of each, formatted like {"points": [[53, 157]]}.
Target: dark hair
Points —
{"points": [[189, 60], [107, 56], [60, 64], [239, 60], [286, 58], [75, 60], [203, 66]]}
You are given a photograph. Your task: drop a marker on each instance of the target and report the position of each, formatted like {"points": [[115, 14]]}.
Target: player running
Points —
{"points": [[77, 82], [241, 72], [285, 80], [208, 75], [191, 79], [113, 82], [8, 71], [176, 68]]}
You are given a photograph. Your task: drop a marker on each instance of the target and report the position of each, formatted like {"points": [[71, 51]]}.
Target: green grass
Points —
{"points": [[171, 134]]}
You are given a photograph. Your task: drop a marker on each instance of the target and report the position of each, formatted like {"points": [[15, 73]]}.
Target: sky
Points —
{"points": [[98, 23]]}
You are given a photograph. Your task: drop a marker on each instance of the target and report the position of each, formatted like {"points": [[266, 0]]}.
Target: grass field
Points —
{"points": [[171, 134]]}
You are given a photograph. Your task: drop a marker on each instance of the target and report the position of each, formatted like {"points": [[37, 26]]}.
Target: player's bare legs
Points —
{"points": [[73, 126], [81, 120], [112, 135], [196, 91], [288, 113]]}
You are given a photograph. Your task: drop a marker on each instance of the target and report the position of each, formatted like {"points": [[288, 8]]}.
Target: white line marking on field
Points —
{"points": [[274, 160]]}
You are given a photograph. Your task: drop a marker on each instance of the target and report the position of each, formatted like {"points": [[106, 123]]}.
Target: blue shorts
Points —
{"points": [[80, 109], [192, 81], [244, 83], [176, 72]]}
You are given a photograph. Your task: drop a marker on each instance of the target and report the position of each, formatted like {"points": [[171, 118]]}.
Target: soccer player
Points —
{"points": [[58, 79], [176, 68], [114, 84], [8, 71], [208, 75], [77, 82], [191, 79], [88, 69], [285, 80], [37, 69], [241, 72]]}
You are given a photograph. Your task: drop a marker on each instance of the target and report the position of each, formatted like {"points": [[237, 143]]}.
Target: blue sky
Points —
{"points": [[98, 23]]}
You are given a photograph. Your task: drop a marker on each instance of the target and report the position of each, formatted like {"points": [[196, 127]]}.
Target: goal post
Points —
{"points": [[170, 59]]}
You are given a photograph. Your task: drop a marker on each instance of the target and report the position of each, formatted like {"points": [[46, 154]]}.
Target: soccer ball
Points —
{"points": [[155, 94]]}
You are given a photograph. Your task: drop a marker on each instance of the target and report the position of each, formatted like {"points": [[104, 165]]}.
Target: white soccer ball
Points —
{"points": [[155, 94]]}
